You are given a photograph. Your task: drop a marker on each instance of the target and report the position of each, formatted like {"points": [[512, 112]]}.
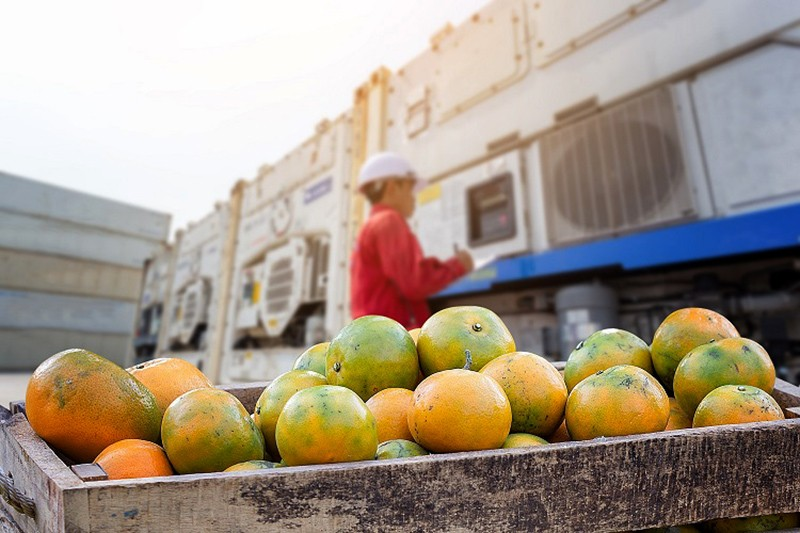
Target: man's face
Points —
{"points": [[406, 199]]}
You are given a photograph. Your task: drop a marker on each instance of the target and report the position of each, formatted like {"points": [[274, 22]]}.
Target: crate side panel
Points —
{"points": [[611, 485], [37, 472]]}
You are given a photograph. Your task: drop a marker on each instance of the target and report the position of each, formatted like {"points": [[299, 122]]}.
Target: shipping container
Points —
{"points": [[149, 327], [71, 271], [196, 290], [289, 272], [609, 162], [604, 163]]}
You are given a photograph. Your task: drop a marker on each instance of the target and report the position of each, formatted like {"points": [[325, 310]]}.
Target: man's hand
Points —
{"points": [[465, 259]]}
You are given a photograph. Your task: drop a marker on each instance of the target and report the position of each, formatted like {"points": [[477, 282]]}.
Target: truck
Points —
{"points": [[604, 162]]}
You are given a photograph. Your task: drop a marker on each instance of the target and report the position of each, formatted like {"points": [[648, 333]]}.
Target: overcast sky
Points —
{"points": [[166, 104]]}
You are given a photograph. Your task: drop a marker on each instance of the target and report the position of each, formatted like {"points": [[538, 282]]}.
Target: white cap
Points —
{"points": [[385, 165]]}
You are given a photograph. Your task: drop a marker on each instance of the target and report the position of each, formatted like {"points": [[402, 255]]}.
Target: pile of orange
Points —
{"points": [[155, 419], [377, 391]]}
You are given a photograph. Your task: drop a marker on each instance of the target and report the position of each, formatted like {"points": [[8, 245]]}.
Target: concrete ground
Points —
{"points": [[12, 386]]}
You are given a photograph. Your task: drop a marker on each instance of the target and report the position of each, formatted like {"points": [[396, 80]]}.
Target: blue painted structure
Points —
{"points": [[761, 231]]}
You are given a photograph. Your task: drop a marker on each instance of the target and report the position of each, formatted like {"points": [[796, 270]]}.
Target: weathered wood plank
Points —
{"points": [[247, 393], [613, 484], [787, 395], [7, 524], [37, 472]]}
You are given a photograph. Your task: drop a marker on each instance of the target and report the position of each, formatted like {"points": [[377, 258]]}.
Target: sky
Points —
{"points": [[165, 105]]}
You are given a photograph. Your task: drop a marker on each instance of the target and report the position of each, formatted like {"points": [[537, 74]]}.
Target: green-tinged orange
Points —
{"points": [[462, 337], [681, 332], [208, 430], [523, 440], [370, 354], [604, 349], [622, 400], [534, 388], [326, 424], [773, 522], [252, 465], [80, 403], [678, 419], [733, 361], [736, 404], [274, 397], [313, 359], [458, 411], [397, 448]]}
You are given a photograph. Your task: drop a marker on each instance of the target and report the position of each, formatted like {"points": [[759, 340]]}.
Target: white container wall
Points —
{"points": [[71, 271]]}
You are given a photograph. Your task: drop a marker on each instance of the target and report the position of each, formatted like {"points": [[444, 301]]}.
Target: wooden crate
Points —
{"points": [[611, 484]]}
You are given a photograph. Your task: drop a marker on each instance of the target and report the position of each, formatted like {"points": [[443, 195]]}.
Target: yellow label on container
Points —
{"points": [[483, 274], [429, 194], [255, 296], [272, 323]]}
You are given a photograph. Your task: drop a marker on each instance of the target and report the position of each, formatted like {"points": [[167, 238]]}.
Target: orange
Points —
{"points": [[274, 397], [680, 333], [622, 400], [397, 448], [523, 440], [736, 404], [604, 349], [771, 522], [313, 358], [458, 411], [80, 403], [534, 388], [678, 419], [252, 465], [208, 430], [326, 424], [561, 434], [462, 337], [133, 458], [415, 335], [169, 377], [370, 354], [734, 361], [390, 409]]}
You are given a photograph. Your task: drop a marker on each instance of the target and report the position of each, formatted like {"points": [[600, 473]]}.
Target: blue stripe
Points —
{"points": [[766, 230]]}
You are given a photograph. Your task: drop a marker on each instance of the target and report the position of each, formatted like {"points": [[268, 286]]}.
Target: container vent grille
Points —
{"points": [[615, 172]]}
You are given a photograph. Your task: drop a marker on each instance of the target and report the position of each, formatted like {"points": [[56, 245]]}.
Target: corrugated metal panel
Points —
{"points": [[25, 310], [23, 195], [25, 349], [50, 236], [30, 271]]}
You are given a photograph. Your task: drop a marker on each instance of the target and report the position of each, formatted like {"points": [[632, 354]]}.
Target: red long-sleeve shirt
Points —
{"points": [[389, 276]]}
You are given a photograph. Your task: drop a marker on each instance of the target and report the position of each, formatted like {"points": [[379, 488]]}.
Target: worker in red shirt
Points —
{"points": [[389, 275]]}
